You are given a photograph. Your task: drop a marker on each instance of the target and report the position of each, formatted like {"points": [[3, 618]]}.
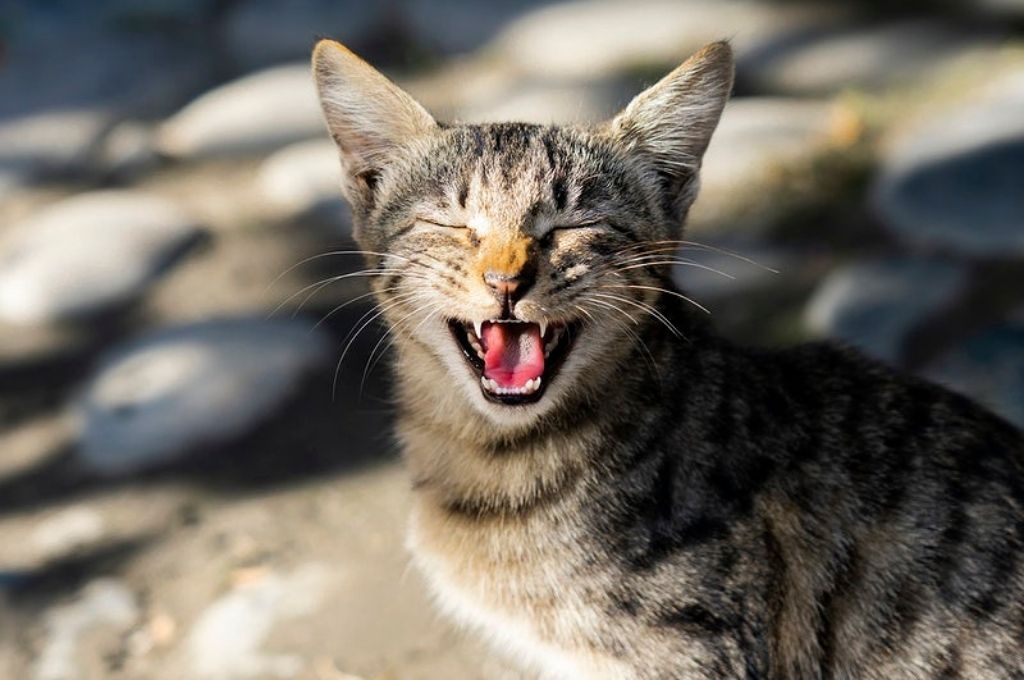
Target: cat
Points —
{"points": [[604, 488]]}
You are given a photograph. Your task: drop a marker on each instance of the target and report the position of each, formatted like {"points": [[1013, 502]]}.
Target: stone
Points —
{"points": [[183, 388], [599, 38], [549, 102], [303, 179], [953, 182], [874, 304], [68, 530], [103, 603], [861, 56], [459, 26], [225, 642], [259, 33], [87, 254], [255, 114], [756, 138], [51, 143], [988, 367], [71, 61], [128, 150]]}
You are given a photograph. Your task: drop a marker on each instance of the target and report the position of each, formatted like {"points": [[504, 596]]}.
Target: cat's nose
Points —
{"points": [[504, 285]]}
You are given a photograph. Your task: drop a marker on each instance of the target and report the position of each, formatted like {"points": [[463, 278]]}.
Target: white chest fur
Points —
{"points": [[521, 602]]}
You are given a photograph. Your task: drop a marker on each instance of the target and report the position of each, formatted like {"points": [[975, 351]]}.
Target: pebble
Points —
{"points": [[953, 182], [227, 639], [68, 530], [756, 138], [52, 143], [259, 33], [867, 57], [544, 103], [874, 304], [303, 179], [87, 254], [128, 150], [989, 368], [600, 38], [257, 113], [103, 603], [178, 389]]}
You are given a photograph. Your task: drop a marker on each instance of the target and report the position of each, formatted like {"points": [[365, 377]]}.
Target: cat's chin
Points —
{"points": [[514, 361]]}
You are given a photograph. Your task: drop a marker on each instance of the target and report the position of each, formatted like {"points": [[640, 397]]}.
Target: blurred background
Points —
{"points": [[192, 487]]}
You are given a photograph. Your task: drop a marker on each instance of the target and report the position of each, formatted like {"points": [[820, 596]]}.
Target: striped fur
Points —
{"points": [[674, 506]]}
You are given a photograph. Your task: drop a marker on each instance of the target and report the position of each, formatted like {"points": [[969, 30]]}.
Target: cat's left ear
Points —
{"points": [[368, 116], [671, 122]]}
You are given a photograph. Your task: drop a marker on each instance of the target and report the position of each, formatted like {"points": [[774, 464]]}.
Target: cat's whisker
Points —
{"points": [[666, 292], [695, 245], [649, 357], [675, 261], [589, 298], [319, 285], [345, 304], [397, 330], [646, 308], [330, 254], [388, 332]]}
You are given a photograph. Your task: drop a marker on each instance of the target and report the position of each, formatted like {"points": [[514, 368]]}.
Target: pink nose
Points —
{"points": [[503, 285]]}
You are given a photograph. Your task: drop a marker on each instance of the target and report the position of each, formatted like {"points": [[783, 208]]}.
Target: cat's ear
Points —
{"points": [[368, 116], [671, 122]]}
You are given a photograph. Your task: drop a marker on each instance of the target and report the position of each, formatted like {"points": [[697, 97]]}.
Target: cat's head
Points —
{"points": [[518, 264]]}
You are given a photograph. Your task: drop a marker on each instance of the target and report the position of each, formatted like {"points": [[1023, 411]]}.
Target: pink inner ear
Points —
{"points": [[513, 353]]}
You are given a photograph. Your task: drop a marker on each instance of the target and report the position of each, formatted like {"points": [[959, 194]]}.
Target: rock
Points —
{"points": [[952, 182], [989, 368], [11, 182], [191, 386], [70, 61], [599, 38], [51, 143], [259, 33], [829, 60], [549, 102], [721, 270], [255, 114], [65, 532], [88, 254], [757, 138], [103, 603], [304, 179], [874, 304], [128, 150], [458, 26], [225, 642]]}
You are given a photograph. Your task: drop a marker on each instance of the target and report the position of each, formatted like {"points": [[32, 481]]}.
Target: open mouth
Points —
{"points": [[515, 360]]}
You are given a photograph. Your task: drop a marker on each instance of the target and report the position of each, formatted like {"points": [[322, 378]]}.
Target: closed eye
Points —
{"points": [[580, 225], [441, 224]]}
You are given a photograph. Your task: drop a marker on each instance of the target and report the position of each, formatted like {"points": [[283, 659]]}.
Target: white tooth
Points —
{"points": [[543, 328], [478, 327]]}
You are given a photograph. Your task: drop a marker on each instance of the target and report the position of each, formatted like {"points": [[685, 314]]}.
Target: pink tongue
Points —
{"points": [[513, 353]]}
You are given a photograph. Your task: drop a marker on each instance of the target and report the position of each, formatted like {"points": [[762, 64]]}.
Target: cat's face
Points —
{"points": [[516, 263]]}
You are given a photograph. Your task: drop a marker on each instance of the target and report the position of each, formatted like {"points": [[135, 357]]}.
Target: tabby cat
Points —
{"points": [[606, 489]]}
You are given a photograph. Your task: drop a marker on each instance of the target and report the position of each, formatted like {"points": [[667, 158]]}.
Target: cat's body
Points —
{"points": [[666, 505]]}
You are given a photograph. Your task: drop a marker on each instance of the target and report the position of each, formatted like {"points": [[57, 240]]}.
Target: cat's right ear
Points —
{"points": [[368, 116]]}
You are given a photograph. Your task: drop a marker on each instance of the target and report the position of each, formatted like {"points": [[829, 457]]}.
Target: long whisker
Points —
{"points": [[330, 254], [362, 273], [691, 245], [666, 291], [646, 308]]}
